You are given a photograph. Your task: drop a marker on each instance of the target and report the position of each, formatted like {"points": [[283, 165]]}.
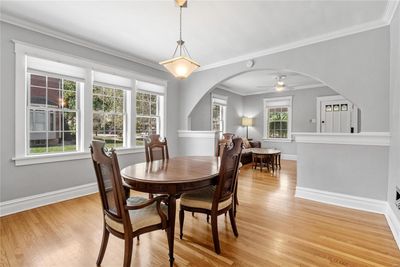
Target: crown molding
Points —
{"points": [[77, 41], [390, 10], [266, 91], [308, 41]]}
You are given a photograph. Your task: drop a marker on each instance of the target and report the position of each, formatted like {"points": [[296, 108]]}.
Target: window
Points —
{"points": [[109, 115], [53, 114], [218, 113], [62, 103], [278, 118], [147, 115]]}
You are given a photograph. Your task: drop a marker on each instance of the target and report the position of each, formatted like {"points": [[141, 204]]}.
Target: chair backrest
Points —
{"points": [[222, 142], [109, 181], [155, 148], [228, 171]]}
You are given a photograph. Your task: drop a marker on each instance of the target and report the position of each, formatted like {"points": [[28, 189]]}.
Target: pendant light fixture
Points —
{"points": [[181, 66]]}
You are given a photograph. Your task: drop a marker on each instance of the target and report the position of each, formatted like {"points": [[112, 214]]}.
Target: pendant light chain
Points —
{"points": [[180, 31]]}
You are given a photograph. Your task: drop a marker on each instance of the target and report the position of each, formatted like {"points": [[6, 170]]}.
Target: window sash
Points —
{"points": [[46, 110]]}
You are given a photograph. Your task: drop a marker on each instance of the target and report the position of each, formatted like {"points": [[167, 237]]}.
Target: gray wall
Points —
{"points": [[355, 66], [24, 181], [303, 110], [355, 170], [394, 153], [201, 115]]}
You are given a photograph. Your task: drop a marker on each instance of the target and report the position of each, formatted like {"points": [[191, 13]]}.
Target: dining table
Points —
{"points": [[172, 177]]}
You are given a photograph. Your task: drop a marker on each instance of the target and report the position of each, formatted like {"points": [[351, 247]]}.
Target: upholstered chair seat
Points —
{"points": [[203, 199], [140, 218]]}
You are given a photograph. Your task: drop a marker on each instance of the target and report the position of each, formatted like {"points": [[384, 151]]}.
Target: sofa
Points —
{"points": [[246, 152]]}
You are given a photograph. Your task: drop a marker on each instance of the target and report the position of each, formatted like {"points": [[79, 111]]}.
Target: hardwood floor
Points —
{"points": [[275, 229]]}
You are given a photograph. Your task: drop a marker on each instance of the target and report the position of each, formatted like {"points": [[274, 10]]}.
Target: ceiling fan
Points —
{"points": [[279, 85]]}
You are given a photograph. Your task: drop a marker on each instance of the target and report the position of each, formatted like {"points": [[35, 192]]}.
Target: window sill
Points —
{"points": [[276, 140], [48, 158]]}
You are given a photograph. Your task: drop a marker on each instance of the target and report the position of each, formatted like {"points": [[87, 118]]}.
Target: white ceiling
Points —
{"points": [[214, 31], [263, 81]]}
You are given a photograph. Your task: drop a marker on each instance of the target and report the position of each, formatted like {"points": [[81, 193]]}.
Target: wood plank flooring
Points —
{"points": [[275, 229]]}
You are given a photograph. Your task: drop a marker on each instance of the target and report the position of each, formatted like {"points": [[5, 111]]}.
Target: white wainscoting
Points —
{"points": [[364, 138], [197, 143], [353, 202], [26, 203], [289, 157]]}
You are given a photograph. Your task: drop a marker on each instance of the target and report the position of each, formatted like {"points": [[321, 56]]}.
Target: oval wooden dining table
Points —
{"points": [[172, 177]]}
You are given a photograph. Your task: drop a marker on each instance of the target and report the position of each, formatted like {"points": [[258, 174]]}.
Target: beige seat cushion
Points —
{"points": [[139, 218], [202, 199]]}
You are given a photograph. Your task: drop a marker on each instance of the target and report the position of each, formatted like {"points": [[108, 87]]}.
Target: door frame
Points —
{"points": [[325, 98]]}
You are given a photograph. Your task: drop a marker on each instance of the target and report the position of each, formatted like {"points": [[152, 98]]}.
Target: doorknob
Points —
{"points": [[322, 121]]}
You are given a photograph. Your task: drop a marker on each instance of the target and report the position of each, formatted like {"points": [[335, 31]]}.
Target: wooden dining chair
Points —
{"points": [[220, 150], [218, 199], [155, 148], [125, 218]]}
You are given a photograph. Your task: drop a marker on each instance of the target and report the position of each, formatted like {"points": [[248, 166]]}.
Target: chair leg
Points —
{"points": [[181, 221], [214, 227], [103, 246], [128, 251], [233, 223]]}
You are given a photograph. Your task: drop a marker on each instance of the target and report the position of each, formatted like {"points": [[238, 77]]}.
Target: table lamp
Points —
{"points": [[247, 122]]}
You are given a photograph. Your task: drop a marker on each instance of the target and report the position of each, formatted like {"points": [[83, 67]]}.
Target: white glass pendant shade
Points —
{"points": [[181, 67]]}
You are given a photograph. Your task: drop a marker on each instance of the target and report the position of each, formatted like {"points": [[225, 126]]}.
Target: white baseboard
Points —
{"points": [[343, 200], [394, 224], [289, 157], [353, 202], [26, 203]]}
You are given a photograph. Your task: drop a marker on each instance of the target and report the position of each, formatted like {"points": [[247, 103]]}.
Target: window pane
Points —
{"points": [[146, 108], [119, 93], [108, 123], [55, 121], [69, 85], [118, 139], [54, 83], [119, 122], [108, 92], [38, 120], [119, 105], [69, 121], [97, 90], [69, 141], [38, 80], [146, 97], [284, 125], [38, 142], [153, 108], [97, 102], [108, 104], [69, 99], [55, 142], [38, 96], [97, 122], [153, 127], [54, 98]]}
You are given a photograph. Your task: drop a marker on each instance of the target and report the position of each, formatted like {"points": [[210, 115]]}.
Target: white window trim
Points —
{"points": [[220, 100], [22, 50], [265, 124]]}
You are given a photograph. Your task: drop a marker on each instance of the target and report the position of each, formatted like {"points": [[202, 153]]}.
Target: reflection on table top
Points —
{"points": [[265, 151], [174, 170]]}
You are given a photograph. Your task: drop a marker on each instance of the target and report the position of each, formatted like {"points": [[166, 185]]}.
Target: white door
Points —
{"points": [[337, 116]]}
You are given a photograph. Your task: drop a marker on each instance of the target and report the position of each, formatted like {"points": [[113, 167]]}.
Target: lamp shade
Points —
{"points": [[181, 67], [247, 121]]}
